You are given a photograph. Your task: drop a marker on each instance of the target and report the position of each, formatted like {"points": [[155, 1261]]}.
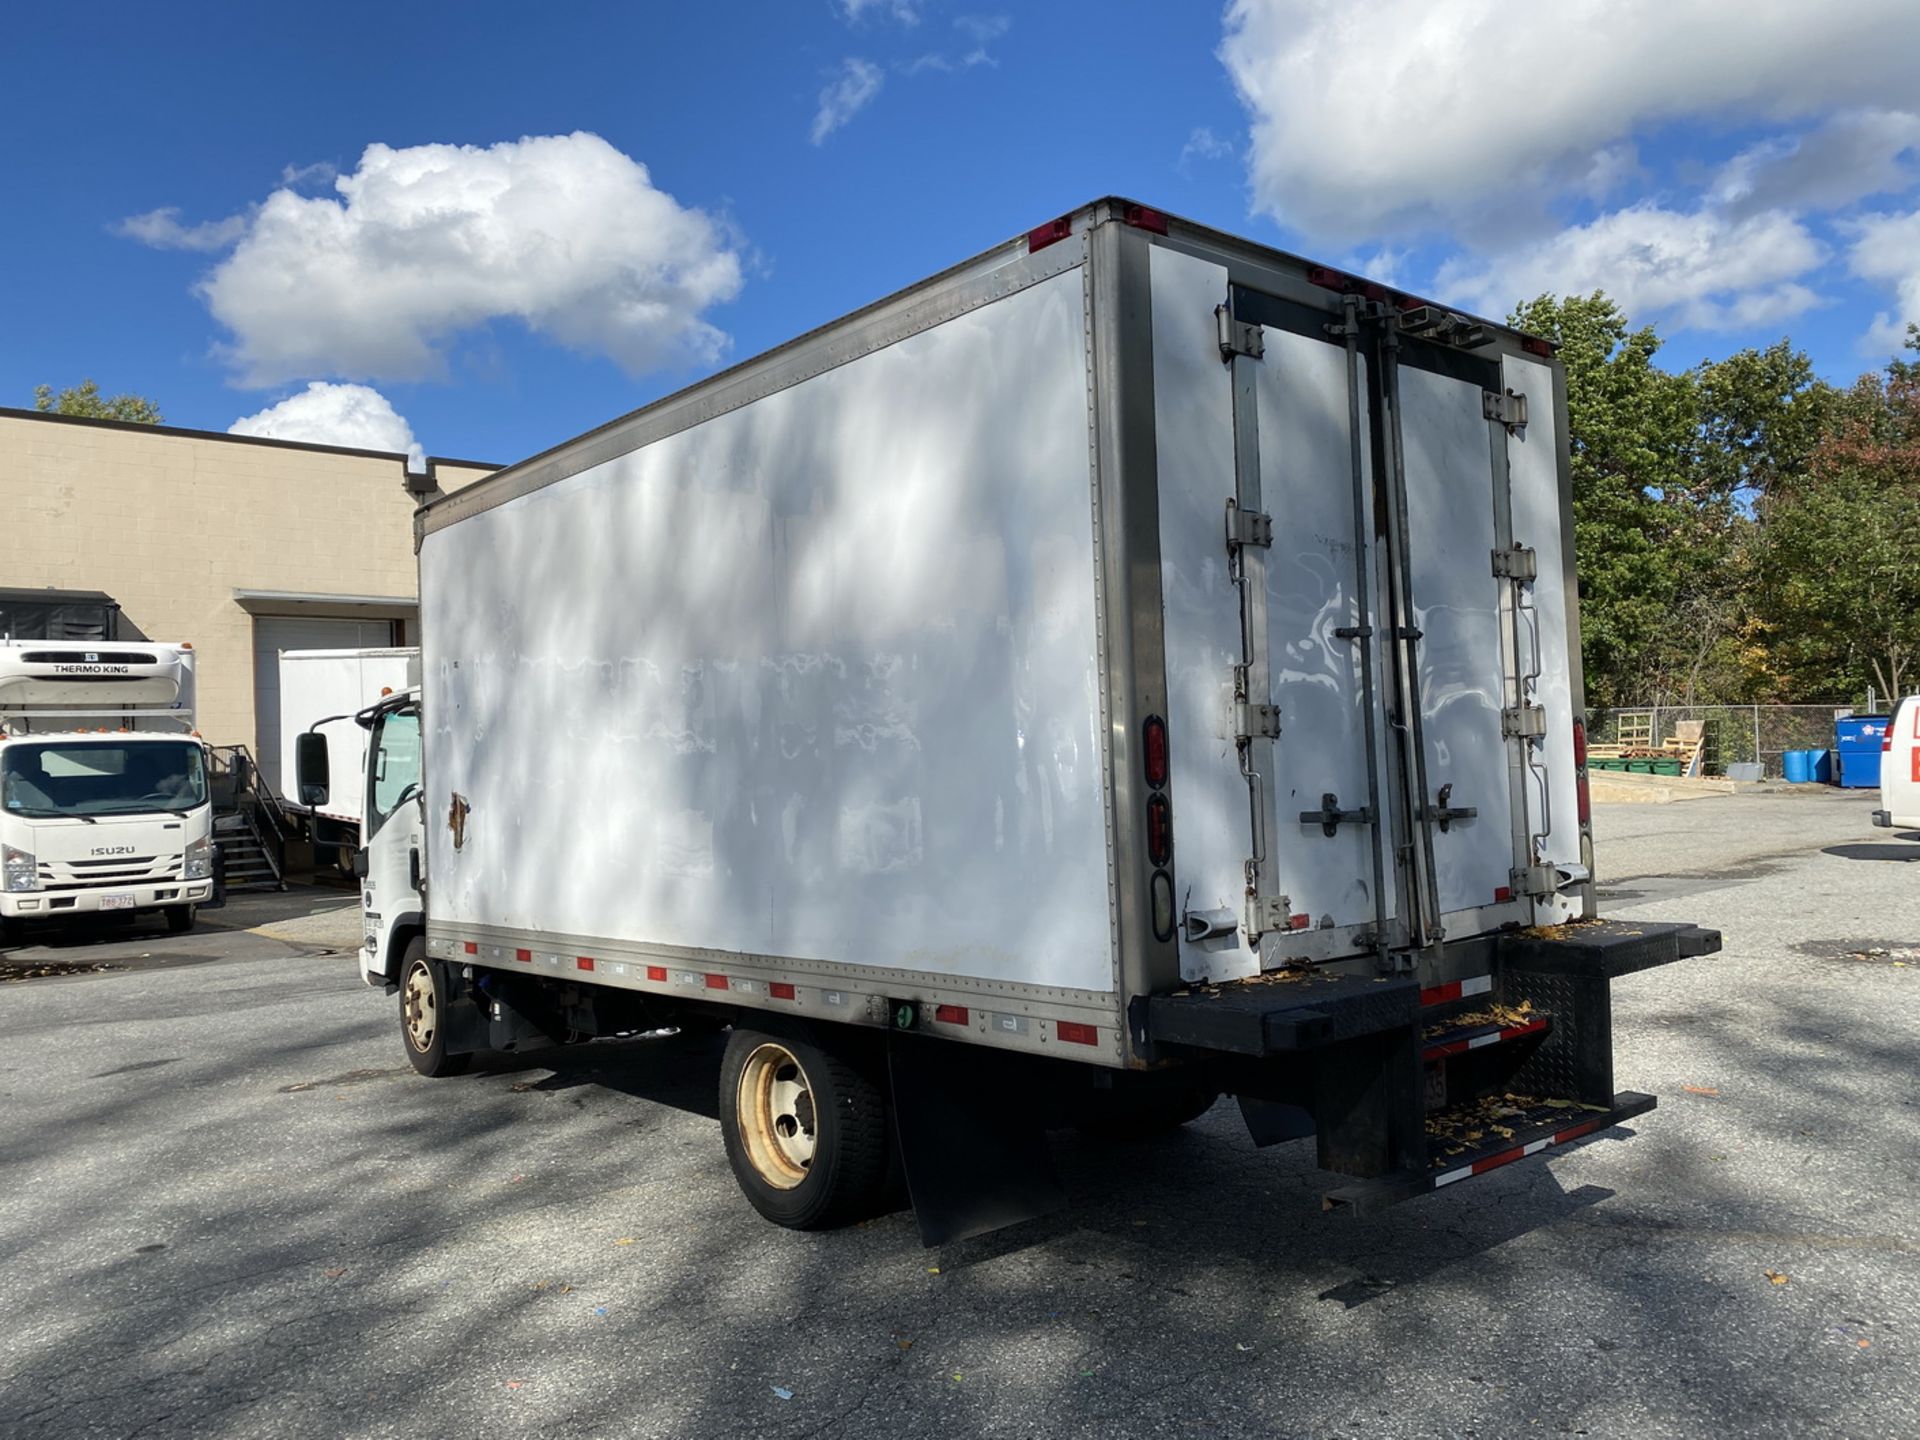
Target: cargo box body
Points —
{"points": [[323, 690], [1096, 618]]}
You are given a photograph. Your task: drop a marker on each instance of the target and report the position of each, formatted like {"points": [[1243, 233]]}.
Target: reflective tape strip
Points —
{"points": [[1479, 1042], [1456, 989], [1520, 1152]]}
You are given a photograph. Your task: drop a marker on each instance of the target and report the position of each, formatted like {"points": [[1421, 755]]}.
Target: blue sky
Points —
{"points": [[511, 223]]}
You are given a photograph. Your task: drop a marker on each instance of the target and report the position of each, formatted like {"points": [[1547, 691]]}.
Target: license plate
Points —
{"points": [[116, 902]]}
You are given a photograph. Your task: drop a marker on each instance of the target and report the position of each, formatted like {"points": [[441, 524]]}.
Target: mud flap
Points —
{"points": [[974, 1154]]}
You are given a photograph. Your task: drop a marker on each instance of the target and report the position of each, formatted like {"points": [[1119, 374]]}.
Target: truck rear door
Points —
{"points": [[1380, 686]]}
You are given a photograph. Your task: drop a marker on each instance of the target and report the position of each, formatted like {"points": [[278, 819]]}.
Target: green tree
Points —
{"points": [[1633, 428], [86, 399], [1840, 570]]}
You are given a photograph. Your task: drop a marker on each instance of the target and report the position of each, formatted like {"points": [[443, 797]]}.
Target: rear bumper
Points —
{"points": [[1605, 949], [59, 904]]}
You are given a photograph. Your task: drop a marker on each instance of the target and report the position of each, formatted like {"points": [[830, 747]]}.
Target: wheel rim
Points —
{"points": [[777, 1118], [420, 1007]]}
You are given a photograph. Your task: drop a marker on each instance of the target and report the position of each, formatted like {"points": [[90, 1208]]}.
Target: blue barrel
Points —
{"points": [[1797, 766]]}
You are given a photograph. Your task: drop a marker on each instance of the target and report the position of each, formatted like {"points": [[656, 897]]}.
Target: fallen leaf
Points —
{"points": [[1699, 1090], [904, 1344], [957, 1377], [624, 1240], [335, 1273], [1863, 1344], [1776, 1277], [515, 1384], [933, 1269]]}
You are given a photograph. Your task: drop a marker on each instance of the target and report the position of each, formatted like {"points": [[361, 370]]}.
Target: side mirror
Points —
{"points": [[311, 768], [360, 863]]}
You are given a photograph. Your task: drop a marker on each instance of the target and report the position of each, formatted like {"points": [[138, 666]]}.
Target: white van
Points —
{"points": [[1900, 767]]}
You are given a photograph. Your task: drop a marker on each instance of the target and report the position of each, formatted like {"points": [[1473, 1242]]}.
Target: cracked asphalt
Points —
{"points": [[227, 1208]]}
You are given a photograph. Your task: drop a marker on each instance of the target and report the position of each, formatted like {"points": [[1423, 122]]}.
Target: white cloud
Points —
{"points": [[1852, 155], [352, 415], [1425, 112], [162, 229], [844, 97], [561, 232], [321, 172], [1203, 144], [1700, 269], [854, 11], [981, 30], [1886, 248]]}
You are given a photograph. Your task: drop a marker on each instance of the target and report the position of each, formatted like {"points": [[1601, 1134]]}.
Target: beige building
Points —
{"points": [[242, 546]]}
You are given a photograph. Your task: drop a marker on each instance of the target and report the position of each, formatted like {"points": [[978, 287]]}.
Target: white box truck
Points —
{"points": [[1131, 666], [322, 691], [105, 802], [1900, 768]]}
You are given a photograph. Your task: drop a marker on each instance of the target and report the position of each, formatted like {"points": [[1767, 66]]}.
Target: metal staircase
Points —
{"points": [[247, 823]]}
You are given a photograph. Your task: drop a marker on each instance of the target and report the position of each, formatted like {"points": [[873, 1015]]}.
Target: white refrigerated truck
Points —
{"points": [[104, 797], [1133, 665], [322, 691]]}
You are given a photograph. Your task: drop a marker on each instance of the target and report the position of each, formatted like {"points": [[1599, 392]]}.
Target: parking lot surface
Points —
{"points": [[228, 1208]]}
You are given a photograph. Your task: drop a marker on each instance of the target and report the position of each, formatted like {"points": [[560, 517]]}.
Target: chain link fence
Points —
{"points": [[1734, 734]]}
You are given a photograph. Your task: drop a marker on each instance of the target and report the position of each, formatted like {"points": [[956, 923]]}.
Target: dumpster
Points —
{"points": [[1856, 742]]}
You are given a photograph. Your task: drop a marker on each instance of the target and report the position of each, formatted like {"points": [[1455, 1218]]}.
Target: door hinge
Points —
{"points": [[1518, 563], [1238, 337], [1247, 528], [1256, 722], [1509, 408], [1523, 722], [1330, 817], [1267, 913], [1536, 880]]}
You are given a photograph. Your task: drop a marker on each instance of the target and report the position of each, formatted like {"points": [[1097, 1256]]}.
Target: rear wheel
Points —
{"points": [[423, 1003], [805, 1128], [179, 918]]}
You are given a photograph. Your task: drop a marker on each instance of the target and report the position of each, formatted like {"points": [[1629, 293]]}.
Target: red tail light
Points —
{"points": [[1042, 236], [1153, 740], [1886, 739], [1159, 829], [950, 1014], [1145, 219], [1077, 1033], [1580, 772]]}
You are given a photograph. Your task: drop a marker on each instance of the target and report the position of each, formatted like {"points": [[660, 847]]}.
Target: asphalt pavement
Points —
{"points": [[228, 1208]]}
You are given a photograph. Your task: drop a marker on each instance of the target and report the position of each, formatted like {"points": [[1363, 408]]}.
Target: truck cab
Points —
{"points": [[105, 803], [389, 800]]}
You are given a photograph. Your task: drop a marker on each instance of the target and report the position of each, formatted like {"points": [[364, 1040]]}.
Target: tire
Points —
{"points": [[772, 1084], [180, 919], [423, 999], [1141, 1114]]}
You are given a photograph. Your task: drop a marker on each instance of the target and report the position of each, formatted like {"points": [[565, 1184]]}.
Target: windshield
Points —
{"points": [[93, 778], [394, 776]]}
